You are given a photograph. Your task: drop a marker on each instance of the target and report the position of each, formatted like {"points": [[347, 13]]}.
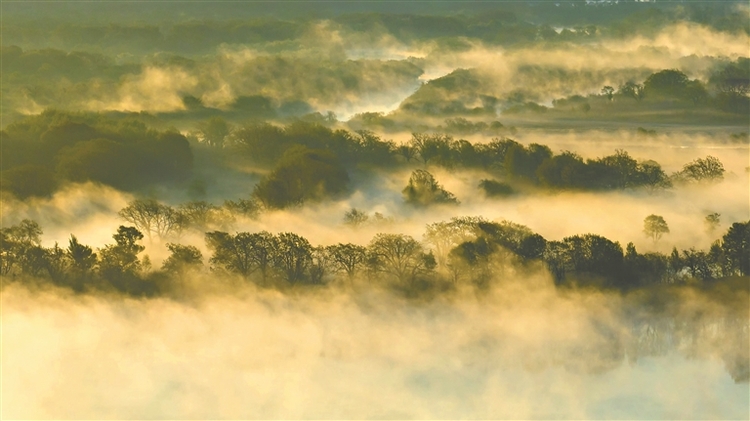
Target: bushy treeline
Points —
{"points": [[41, 152], [726, 89], [533, 164], [462, 251], [307, 161], [668, 94]]}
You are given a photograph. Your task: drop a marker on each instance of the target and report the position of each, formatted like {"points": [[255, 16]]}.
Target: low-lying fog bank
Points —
{"points": [[523, 351]]}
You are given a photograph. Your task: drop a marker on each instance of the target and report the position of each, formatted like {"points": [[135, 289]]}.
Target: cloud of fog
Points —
{"points": [[524, 351], [156, 89], [88, 211], [333, 67], [546, 71]]}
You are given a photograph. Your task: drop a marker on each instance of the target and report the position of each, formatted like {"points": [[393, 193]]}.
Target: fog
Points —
{"points": [[243, 309], [357, 71], [524, 351]]}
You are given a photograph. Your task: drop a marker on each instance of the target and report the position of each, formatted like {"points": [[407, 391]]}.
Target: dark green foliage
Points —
{"points": [[733, 83], [515, 237], [29, 180], [494, 188], [123, 154], [563, 171], [302, 175], [424, 190], [594, 254], [101, 160], [736, 246], [632, 90], [472, 260], [733, 79], [214, 131], [182, 258], [618, 171], [432, 148], [264, 143], [642, 270], [467, 248], [82, 257], [233, 253], [666, 84], [522, 163], [120, 266], [293, 257], [243, 253], [18, 246]]}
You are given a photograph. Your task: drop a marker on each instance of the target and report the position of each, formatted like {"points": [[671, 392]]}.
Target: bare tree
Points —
{"points": [[152, 217]]}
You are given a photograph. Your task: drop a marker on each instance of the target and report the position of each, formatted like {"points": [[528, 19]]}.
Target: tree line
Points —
{"points": [[462, 251], [306, 161], [726, 89], [41, 152], [313, 162]]}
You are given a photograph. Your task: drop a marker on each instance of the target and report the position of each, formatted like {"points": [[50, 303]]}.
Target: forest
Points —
{"points": [[338, 210]]}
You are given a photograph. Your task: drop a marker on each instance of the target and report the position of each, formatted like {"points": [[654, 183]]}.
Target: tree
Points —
{"points": [[249, 208], [16, 245], [444, 236], [471, 259], [347, 257], [29, 180], [609, 92], [355, 218], [564, 171], [652, 177], [214, 131], [712, 222], [654, 226], [399, 256], [632, 90], [736, 245], [432, 147], [293, 256], [82, 261], [523, 162], [734, 79], [203, 216], [182, 258], [697, 263], [424, 190], [242, 253], [406, 151], [594, 254], [320, 264], [119, 263], [56, 263], [494, 188], [672, 84], [301, 175], [152, 217], [702, 169]]}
